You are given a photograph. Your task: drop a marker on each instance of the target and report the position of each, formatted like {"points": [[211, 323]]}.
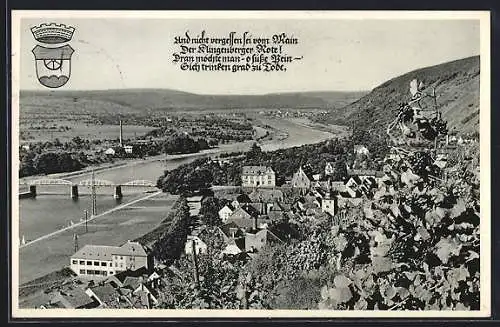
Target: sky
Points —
{"points": [[338, 54]]}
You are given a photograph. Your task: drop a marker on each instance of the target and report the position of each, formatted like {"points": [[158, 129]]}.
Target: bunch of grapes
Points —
{"points": [[440, 125], [426, 129], [406, 112], [422, 164]]}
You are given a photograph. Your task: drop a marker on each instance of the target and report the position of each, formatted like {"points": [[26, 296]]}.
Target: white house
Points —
{"points": [[200, 246], [301, 180], [328, 204], [103, 260], [225, 212], [329, 168], [258, 176], [361, 149], [128, 148]]}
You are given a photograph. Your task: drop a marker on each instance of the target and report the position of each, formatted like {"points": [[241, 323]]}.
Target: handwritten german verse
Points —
{"points": [[235, 52]]}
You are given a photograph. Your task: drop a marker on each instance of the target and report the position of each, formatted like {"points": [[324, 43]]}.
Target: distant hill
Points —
{"points": [[159, 100], [457, 89]]}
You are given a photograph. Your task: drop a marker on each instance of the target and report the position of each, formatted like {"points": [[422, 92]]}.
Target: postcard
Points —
{"points": [[248, 164]]}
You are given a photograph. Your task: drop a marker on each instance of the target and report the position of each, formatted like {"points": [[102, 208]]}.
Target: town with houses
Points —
{"points": [[128, 276]]}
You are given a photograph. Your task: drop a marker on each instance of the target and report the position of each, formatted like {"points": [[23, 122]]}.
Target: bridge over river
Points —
{"points": [[73, 187]]}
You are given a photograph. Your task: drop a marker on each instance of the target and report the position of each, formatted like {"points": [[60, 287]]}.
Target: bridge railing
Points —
{"points": [[96, 182], [88, 182], [49, 181], [141, 182]]}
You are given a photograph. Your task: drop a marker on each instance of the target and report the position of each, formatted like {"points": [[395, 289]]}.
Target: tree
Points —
{"points": [[77, 140], [202, 144], [51, 162], [340, 173], [209, 211], [255, 152], [171, 244], [26, 167], [46, 163]]}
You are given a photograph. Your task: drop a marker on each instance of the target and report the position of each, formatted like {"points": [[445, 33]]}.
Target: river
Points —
{"points": [[48, 212]]}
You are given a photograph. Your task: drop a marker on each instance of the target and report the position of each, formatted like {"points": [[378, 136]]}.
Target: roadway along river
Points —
{"points": [[48, 213]]}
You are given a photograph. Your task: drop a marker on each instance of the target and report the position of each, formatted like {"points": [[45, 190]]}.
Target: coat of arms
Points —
{"points": [[53, 63]]}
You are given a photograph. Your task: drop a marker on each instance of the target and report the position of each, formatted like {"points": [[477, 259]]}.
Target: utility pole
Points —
{"points": [[132, 260], [94, 195], [75, 241], [438, 114], [195, 264], [245, 298], [86, 219]]}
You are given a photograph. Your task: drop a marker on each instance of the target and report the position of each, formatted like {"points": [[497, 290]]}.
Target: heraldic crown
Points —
{"points": [[53, 33]]}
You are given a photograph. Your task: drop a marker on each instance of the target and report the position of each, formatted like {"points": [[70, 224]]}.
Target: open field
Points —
{"points": [[65, 130]]}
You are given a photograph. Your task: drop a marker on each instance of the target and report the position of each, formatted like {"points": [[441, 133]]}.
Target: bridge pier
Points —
{"points": [[33, 191], [118, 192], [74, 191]]}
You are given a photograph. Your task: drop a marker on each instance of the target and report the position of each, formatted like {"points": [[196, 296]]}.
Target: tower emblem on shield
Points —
{"points": [[53, 59]]}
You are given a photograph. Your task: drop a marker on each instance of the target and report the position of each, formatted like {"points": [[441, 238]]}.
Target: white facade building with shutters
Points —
{"points": [[103, 260], [258, 176]]}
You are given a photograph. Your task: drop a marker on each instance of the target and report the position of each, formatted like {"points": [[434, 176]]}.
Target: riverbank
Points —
{"points": [[338, 130], [123, 163]]}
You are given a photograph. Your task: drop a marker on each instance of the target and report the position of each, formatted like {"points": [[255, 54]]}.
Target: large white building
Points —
{"points": [[103, 260], [258, 176]]}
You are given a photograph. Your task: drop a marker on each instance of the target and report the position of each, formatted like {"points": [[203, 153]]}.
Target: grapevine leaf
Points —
{"points": [[346, 295], [403, 292], [240, 292], [408, 177], [361, 304], [447, 247], [440, 212], [381, 264], [342, 281], [389, 292], [455, 275], [340, 243], [324, 292], [472, 255], [424, 234], [458, 208]]}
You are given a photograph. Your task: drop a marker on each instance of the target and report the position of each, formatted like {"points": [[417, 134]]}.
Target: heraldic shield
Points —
{"points": [[53, 65]]}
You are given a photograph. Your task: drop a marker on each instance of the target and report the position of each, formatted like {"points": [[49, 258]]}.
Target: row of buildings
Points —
{"points": [[128, 289], [255, 213], [264, 176]]}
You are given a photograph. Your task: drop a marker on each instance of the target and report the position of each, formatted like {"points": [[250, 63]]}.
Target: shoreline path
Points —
{"points": [[46, 236]]}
